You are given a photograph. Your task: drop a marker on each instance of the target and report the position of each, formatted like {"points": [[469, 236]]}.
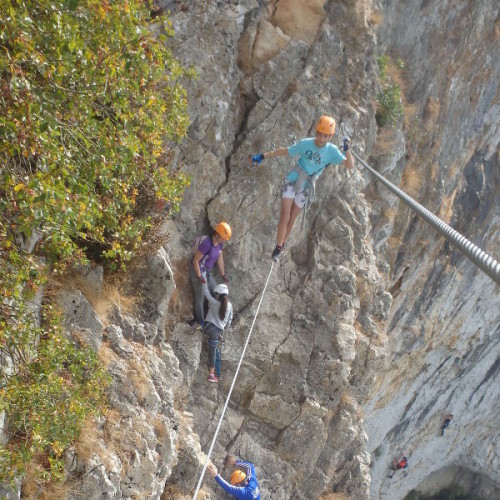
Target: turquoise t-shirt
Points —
{"points": [[311, 159]]}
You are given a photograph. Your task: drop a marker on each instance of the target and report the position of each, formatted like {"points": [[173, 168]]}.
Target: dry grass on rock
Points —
{"points": [[333, 496], [34, 488], [376, 18], [174, 492]]}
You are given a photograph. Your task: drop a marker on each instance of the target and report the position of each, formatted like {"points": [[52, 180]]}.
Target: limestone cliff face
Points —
{"points": [[372, 326], [372, 318], [295, 410], [328, 334], [443, 330]]}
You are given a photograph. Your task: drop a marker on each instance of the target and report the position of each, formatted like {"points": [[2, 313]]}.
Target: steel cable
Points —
{"points": [[480, 258]]}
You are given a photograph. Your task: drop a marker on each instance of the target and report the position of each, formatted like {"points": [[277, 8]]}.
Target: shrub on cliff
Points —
{"points": [[389, 104], [90, 97]]}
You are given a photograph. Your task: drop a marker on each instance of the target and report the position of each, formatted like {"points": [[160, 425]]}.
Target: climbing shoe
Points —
{"points": [[276, 253], [196, 325], [212, 378]]}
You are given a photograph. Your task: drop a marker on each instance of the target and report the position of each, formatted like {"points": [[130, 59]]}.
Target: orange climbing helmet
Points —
{"points": [[223, 230], [326, 125], [237, 476]]}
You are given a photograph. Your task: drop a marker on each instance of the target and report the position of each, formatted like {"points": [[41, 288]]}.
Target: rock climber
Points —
{"points": [[447, 421], [218, 320], [208, 251], [402, 463], [313, 156], [243, 481]]}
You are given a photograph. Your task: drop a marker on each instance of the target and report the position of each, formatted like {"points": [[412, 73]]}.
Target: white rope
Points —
{"points": [[231, 388]]}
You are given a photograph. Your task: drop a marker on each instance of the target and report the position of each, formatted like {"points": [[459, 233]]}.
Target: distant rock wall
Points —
{"points": [[414, 324], [443, 334]]}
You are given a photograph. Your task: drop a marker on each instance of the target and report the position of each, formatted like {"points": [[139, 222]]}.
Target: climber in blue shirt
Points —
{"points": [[243, 482], [313, 155]]}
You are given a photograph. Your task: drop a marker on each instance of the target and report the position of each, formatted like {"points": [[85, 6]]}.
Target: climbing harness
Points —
{"points": [[480, 258], [311, 194], [232, 386]]}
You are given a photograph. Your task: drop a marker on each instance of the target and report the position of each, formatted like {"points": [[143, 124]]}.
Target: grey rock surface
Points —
{"points": [[372, 326], [80, 318]]}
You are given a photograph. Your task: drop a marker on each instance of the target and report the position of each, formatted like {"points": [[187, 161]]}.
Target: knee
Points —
{"points": [[285, 216]]}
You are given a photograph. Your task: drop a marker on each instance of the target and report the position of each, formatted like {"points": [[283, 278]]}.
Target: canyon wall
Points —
{"points": [[373, 326]]}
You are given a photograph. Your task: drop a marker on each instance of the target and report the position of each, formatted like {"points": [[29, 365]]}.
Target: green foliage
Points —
{"points": [[51, 387], [452, 492], [89, 95], [382, 66], [90, 99], [400, 63], [390, 109]]}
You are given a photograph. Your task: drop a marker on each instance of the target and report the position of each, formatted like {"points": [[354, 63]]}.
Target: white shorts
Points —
{"points": [[288, 191]]}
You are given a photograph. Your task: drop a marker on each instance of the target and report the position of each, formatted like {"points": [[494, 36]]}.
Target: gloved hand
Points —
{"points": [[226, 279], [346, 142], [257, 158], [202, 279]]}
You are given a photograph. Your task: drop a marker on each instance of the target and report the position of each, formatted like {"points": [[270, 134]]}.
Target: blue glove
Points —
{"points": [[257, 158], [346, 143]]}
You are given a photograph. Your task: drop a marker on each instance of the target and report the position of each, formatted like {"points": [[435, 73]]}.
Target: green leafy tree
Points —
{"points": [[89, 96], [51, 387], [91, 105]]}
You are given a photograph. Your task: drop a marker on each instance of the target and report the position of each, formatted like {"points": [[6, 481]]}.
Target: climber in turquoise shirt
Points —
{"points": [[313, 159], [314, 154]]}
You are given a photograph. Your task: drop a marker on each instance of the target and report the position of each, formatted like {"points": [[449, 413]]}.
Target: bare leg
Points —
{"points": [[295, 211], [286, 209]]}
